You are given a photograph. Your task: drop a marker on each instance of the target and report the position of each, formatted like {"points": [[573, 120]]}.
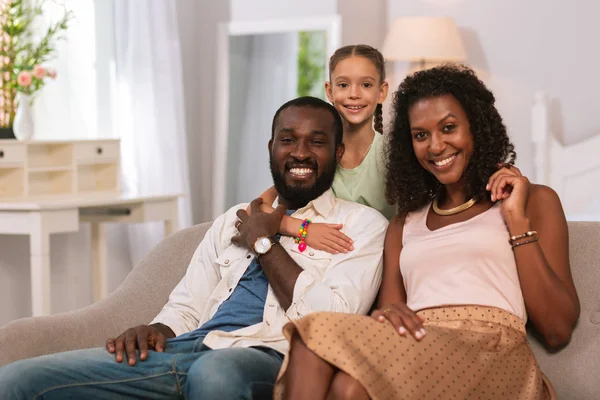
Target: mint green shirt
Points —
{"points": [[365, 184]]}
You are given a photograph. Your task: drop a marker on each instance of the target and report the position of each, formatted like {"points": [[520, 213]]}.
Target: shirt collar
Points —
{"points": [[322, 204]]}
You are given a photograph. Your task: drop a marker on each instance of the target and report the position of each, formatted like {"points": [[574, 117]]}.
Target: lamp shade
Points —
{"points": [[423, 39]]}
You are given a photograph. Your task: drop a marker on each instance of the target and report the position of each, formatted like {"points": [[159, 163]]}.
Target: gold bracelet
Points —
{"points": [[521, 236], [535, 239]]}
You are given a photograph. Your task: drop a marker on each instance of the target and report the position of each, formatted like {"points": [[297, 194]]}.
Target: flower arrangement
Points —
{"points": [[22, 58]]}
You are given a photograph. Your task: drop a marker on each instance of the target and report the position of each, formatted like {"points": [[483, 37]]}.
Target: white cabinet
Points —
{"points": [[53, 168]]}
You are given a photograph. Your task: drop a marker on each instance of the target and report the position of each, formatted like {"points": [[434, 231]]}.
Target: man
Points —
{"points": [[219, 336]]}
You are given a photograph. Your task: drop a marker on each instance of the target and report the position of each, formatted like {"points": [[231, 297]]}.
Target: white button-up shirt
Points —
{"points": [[345, 282]]}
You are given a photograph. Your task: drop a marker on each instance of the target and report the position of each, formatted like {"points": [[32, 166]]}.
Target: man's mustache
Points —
{"points": [[303, 164]]}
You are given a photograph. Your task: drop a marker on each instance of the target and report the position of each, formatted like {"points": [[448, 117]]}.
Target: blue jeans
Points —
{"points": [[187, 369]]}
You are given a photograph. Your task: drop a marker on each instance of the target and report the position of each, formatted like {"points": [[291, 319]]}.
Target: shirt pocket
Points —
{"points": [[227, 262], [312, 260]]}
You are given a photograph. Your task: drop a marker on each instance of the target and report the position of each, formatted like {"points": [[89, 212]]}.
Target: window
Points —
{"points": [[77, 104]]}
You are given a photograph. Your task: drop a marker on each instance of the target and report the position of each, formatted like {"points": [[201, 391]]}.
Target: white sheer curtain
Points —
{"points": [[66, 107], [263, 76], [148, 109]]}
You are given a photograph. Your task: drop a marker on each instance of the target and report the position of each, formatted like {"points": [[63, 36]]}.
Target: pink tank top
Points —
{"points": [[469, 262]]}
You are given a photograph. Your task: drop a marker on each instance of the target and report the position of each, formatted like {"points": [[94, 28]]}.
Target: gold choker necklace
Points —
{"points": [[464, 206]]}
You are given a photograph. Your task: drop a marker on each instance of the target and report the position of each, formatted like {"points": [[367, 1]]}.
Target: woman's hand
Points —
{"points": [[509, 185], [402, 318], [329, 238]]}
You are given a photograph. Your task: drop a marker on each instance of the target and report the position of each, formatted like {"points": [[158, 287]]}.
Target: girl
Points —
{"points": [[474, 253], [357, 88]]}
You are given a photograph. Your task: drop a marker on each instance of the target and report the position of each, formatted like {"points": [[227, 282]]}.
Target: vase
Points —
{"points": [[23, 122]]}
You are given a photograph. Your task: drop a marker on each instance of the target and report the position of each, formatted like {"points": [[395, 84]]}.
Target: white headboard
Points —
{"points": [[572, 170]]}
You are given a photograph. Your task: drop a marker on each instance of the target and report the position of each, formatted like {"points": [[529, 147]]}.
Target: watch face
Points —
{"points": [[262, 245]]}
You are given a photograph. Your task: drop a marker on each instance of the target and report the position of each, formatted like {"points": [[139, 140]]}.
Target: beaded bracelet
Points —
{"points": [[535, 239], [302, 235], [521, 236]]}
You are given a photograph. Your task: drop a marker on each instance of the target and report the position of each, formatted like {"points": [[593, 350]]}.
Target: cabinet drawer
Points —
{"points": [[97, 151], [12, 153]]}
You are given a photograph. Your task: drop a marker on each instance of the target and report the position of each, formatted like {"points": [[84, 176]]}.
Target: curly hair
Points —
{"points": [[409, 185]]}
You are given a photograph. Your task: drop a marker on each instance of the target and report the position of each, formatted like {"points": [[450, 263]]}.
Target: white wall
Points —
{"points": [[198, 21], [252, 10], [523, 46], [363, 22]]}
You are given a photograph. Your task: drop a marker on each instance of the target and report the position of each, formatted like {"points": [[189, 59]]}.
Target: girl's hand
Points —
{"points": [[509, 185], [329, 238], [402, 318]]}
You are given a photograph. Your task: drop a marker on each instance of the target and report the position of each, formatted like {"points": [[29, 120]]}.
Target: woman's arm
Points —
{"points": [[392, 286], [543, 266], [544, 271], [391, 301]]}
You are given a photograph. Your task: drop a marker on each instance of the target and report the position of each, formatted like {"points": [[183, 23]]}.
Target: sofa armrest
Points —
{"points": [[136, 301]]}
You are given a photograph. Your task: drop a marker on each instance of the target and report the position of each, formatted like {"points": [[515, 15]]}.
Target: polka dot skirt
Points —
{"points": [[468, 353]]}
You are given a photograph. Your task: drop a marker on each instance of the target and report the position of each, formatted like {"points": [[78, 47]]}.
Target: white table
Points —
{"points": [[41, 217]]}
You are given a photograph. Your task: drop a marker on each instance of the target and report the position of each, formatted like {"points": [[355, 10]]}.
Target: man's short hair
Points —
{"points": [[314, 102]]}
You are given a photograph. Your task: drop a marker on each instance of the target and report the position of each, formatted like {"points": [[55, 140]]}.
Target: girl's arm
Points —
{"points": [[543, 266], [325, 237]]}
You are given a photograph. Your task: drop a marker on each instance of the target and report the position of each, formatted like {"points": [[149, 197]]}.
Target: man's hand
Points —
{"points": [[257, 224], [142, 337]]}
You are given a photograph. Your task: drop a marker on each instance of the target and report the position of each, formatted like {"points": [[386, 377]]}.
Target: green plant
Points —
{"points": [[21, 56], [311, 64]]}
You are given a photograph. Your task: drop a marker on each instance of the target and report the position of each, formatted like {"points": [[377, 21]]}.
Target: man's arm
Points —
{"points": [[282, 272], [351, 280]]}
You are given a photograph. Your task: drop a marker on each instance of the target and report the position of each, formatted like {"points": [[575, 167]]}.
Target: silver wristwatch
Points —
{"points": [[263, 245]]}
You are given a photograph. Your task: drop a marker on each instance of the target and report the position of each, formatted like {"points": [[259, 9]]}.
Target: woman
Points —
{"points": [[475, 252]]}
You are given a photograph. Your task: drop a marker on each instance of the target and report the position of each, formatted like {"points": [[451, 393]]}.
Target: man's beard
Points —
{"points": [[299, 196]]}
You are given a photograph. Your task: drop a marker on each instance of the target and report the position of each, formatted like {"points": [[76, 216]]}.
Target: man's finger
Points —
{"points": [[255, 205], [130, 346], [119, 348], [160, 342], [279, 211], [142, 342], [242, 215], [110, 345]]}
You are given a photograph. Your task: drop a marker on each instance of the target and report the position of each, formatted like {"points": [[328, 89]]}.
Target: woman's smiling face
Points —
{"points": [[441, 137]]}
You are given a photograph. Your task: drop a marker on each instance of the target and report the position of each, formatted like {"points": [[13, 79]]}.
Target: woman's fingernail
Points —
{"points": [[402, 330], [492, 197], [381, 318], [418, 334], [487, 187], [422, 330]]}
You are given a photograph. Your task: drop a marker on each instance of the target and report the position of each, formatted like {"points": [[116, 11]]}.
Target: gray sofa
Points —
{"points": [[575, 370]]}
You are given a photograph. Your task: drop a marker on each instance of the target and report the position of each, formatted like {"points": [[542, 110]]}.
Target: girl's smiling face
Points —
{"points": [[355, 89]]}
